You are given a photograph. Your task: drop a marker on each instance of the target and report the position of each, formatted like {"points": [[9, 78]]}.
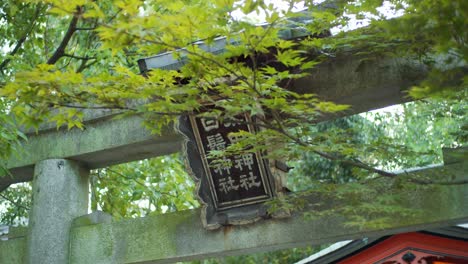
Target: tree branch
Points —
{"points": [[84, 64], [116, 107], [13, 52], [354, 163], [14, 203], [105, 107], [21, 41], [60, 51], [362, 165], [78, 57], [85, 28]]}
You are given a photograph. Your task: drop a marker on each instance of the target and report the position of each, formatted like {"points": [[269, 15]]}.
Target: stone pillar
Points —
{"points": [[60, 194]]}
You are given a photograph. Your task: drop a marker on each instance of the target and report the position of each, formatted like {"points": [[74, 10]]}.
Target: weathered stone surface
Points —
{"points": [[95, 217], [180, 236], [60, 194], [104, 142], [364, 84], [13, 251]]}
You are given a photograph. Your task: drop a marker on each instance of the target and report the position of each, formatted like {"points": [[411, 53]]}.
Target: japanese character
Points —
{"points": [[230, 122], [248, 182], [235, 138], [209, 124], [227, 184], [244, 160], [224, 165], [216, 142]]}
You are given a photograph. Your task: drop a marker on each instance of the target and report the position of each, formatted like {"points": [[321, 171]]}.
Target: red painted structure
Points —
{"points": [[412, 248]]}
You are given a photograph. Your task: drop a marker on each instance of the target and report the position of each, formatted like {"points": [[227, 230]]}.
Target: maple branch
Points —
{"points": [[21, 41], [85, 28], [354, 163], [13, 202], [116, 107], [78, 57], [13, 52], [109, 107], [60, 51], [362, 165], [84, 65]]}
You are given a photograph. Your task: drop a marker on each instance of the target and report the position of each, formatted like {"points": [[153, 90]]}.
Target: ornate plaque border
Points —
{"points": [[196, 164]]}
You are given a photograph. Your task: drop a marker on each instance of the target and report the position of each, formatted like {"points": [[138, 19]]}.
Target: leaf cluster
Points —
{"points": [[142, 188]]}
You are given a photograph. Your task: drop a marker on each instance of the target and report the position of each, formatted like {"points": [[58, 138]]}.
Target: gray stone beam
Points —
{"points": [[362, 83], [180, 236], [104, 142], [365, 85], [60, 194]]}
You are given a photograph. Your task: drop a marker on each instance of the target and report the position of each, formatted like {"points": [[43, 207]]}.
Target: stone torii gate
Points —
{"points": [[58, 163]]}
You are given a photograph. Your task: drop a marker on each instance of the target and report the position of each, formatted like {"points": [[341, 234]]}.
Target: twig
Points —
{"points": [[97, 107], [355, 163], [85, 28], [22, 39], [84, 64], [13, 202], [110, 107], [78, 57]]}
